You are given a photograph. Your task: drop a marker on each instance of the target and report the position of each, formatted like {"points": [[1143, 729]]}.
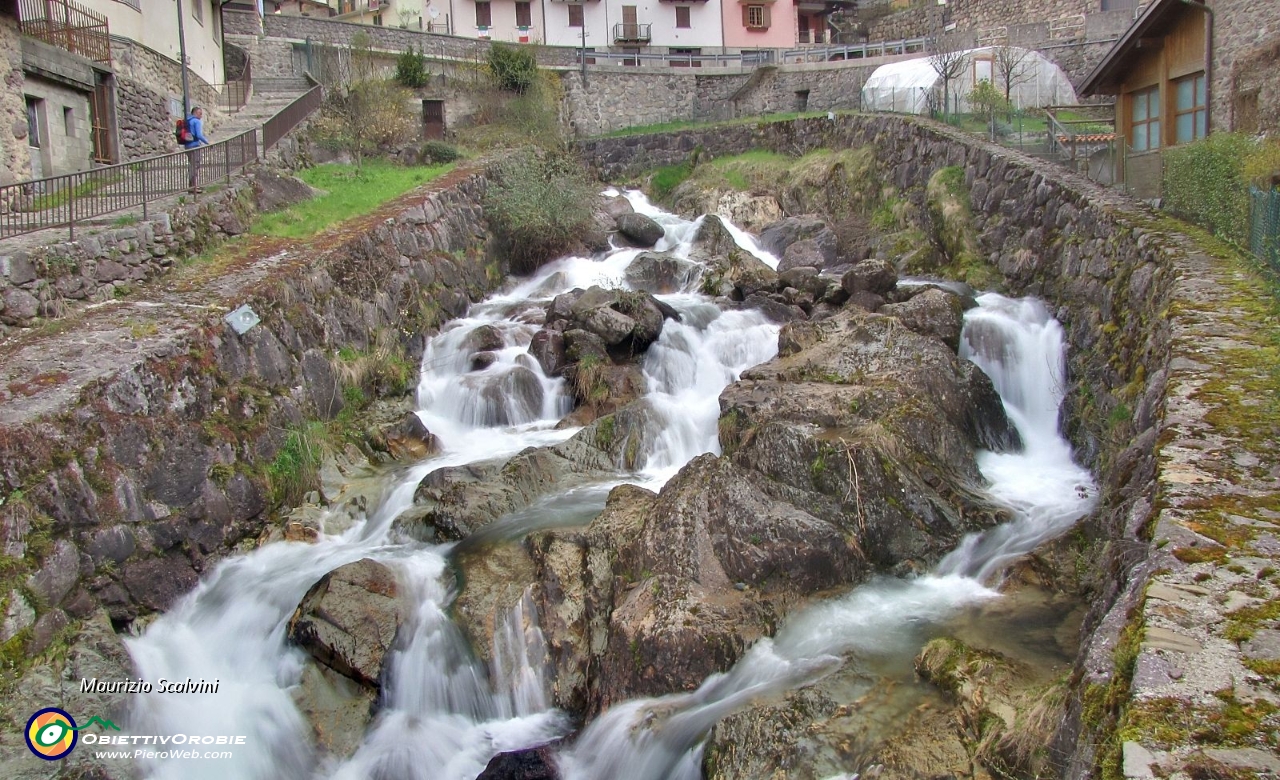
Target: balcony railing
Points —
{"points": [[632, 32], [67, 25]]}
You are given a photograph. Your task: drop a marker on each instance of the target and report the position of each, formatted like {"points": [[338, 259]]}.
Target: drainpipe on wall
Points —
{"points": [[1208, 62]]}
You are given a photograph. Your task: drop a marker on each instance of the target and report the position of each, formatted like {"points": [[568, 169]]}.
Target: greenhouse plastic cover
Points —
{"points": [[909, 86]]}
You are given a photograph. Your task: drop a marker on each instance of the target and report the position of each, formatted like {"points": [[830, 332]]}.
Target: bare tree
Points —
{"points": [[947, 61], [1012, 66]]}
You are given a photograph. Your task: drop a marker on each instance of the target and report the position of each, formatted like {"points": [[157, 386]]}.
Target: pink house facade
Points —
{"points": [[759, 24]]}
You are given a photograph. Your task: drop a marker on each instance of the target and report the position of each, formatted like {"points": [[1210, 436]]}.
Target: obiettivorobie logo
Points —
{"points": [[52, 733]]}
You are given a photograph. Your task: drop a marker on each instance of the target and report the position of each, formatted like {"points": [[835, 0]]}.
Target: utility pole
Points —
{"points": [[182, 61], [584, 46]]}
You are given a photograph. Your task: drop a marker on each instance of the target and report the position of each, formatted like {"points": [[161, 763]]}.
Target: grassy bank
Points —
{"points": [[346, 194]]}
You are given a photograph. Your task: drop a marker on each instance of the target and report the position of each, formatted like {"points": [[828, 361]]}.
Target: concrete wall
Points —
{"points": [[15, 162], [780, 35], [63, 115]]}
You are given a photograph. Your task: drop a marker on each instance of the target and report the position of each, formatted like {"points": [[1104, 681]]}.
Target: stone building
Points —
{"points": [[95, 82]]}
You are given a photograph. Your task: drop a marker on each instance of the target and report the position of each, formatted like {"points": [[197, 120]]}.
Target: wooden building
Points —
{"points": [[1159, 72]]}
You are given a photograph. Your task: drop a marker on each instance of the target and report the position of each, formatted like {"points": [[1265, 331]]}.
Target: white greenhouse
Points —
{"points": [[913, 86]]}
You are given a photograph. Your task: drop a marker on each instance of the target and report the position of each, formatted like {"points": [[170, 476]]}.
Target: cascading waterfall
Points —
{"points": [[1021, 347], [443, 716]]}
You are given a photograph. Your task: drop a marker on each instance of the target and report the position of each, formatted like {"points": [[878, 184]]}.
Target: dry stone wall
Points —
{"points": [[1241, 29]]}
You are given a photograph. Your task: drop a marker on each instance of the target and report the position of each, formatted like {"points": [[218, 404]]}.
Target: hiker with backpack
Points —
{"points": [[190, 134]]}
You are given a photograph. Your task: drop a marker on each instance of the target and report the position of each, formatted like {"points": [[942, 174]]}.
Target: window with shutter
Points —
{"points": [[483, 17], [524, 16], [755, 17], [682, 17], [575, 16]]}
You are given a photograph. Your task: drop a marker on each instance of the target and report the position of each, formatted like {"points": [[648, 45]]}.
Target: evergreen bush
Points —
{"points": [[411, 69], [513, 68]]}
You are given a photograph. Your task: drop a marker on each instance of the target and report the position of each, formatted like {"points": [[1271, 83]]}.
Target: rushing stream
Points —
{"points": [[443, 715]]}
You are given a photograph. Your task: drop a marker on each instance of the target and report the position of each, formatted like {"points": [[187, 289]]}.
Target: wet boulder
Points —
{"points": [[612, 326], [485, 338], [659, 273], [779, 236], [931, 313], [337, 708], [393, 431], [348, 620], [548, 348], [513, 398], [537, 763], [561, 307], [819, 252], [617, 206], [482, 360], [873, 276], [639, 229]]}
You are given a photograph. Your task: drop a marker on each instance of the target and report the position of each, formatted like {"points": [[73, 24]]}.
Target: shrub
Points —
{"points": [[411, 69], [538, 205], [1204, 183], [439, 153], [513, 68], [366, 116]]}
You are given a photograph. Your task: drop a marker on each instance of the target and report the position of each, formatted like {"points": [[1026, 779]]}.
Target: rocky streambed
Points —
{"points": [[666, 511]]}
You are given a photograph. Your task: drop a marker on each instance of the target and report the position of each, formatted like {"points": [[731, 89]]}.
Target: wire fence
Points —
{"points": [[1264, 225]]}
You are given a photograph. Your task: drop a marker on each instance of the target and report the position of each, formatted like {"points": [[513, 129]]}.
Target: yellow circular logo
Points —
{"points": [[51, 734]]}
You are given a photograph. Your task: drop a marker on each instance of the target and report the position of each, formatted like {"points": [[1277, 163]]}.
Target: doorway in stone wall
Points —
{"points": [[433, 119]]}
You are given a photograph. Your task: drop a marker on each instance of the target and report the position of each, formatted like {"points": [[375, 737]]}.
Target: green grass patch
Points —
{"points": [[347, 194], [663, 181]]}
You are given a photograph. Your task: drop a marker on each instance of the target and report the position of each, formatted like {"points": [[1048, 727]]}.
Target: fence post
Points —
{"points": [[142, 177], [71, 212]]}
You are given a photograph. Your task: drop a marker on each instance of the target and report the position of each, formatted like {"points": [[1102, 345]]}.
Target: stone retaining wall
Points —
{"points": [[124, 497], [146, 84], [44, 281], [616, 98], [15, 163], [1087, 251], [319, 30]]}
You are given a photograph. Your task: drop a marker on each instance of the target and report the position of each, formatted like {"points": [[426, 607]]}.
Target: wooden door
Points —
{"points": [[433, 119], [630, 27]]}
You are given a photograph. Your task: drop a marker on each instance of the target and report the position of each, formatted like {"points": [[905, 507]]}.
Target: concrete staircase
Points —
{"points": [[269, 96]]}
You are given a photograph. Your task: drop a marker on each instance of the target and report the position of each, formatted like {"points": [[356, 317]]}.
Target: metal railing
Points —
{"points": [[64, 201], [855, 51], [632, 32], [290, 116], [67, 25], [233, 95]]}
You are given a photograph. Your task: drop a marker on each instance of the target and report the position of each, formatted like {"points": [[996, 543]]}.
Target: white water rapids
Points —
{"points": [[443, 715]]}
